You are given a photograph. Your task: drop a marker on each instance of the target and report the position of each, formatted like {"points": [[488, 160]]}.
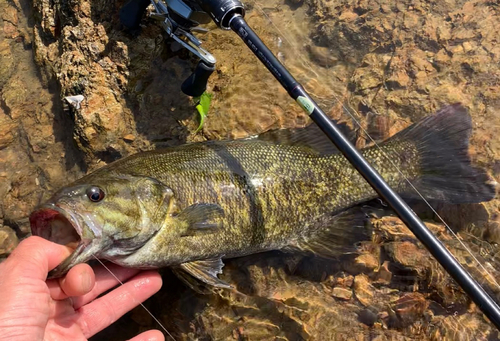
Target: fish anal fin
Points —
{"points": [[205, 271], [337, 234]]}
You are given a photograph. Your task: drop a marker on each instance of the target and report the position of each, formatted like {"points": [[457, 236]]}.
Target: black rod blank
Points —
{"points": [[436, 248]]}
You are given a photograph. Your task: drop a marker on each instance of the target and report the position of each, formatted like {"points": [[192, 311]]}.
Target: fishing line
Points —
{"points": [[387, 156], [142, 305]]}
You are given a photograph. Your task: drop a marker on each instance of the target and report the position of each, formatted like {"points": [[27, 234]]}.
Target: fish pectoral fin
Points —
{"points": [[205, 271], [337, 235], [202, 218]]}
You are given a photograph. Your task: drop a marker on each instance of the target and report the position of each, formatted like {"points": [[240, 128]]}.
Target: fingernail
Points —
{"points": [[86, 281]]}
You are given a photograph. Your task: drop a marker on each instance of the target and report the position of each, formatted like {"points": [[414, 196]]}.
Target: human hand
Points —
{"points": [[33, 308]]}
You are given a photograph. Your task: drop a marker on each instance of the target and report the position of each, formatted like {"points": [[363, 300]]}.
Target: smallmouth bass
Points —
{"points": [[191, 206]]}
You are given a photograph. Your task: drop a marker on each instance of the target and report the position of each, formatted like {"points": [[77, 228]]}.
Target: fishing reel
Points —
{"points": [[180, 19]]}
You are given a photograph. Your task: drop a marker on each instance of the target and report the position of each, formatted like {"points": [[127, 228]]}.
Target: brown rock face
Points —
{"points": [[36, 154]]}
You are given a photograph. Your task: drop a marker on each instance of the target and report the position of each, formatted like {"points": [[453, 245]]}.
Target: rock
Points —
{"points": [[344, 280], [296, 2], [384, 275], [408, 254], [391, 228], [6, 62], [7, 131], [8, 240], [368, 317], [129, 138], [366, 263], [410, 307], [348, 16], [10, 22], [322, 56], [462, 327], [342, 293], [363, 290]]}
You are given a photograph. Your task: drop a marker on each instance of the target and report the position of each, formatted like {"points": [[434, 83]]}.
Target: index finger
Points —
{"points": [[99, 314], [34, 257]]}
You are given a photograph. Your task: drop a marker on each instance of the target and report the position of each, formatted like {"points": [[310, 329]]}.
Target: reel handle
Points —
{"points": [[131, 13], [196, 84]]}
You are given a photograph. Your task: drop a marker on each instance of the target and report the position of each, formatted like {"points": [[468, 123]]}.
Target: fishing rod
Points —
{"points": [[181, 17]]}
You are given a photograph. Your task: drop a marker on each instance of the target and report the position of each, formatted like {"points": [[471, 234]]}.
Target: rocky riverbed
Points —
{"points": [[388, 63]]}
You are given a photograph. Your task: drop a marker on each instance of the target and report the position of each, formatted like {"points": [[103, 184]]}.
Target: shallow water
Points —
{"points": [[386, 63]]}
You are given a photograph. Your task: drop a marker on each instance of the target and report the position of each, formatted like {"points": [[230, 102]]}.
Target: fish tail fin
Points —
{"points": [[445, 171]]}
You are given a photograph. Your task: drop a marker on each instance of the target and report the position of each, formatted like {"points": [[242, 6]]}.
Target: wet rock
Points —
{"points": [[408, 254], [323, 56], [366, 263], [342, 293], [296, 2], [10, 22], [344, 280], [378, 126], [391, 228], [462, 217], [85, 61], [367, 317], [384, 275], [129, 138], [410, 307], [6, 62], [461, 327], [7, 131], [363, 290], [8, 240]]}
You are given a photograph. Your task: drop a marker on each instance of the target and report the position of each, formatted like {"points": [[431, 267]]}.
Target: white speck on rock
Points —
{"points": [[74, 101]]}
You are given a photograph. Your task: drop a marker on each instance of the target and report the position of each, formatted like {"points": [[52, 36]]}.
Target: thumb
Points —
{"points": [[34, 257]]}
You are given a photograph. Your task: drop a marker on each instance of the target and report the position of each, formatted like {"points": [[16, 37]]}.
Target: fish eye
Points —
{"points": [[95, 194]]}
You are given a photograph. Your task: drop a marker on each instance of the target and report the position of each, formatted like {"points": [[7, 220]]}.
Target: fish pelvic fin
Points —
{"points": [[200, 273], [446, 173], [336, 235]]}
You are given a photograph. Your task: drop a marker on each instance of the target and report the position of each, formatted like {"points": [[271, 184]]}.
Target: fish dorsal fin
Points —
{"points": [[200, 218], [336, 235], [205, 271], [310, 136]]}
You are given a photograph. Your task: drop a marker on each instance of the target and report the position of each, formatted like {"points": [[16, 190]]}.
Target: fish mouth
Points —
{"points": [[57, 225]]}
